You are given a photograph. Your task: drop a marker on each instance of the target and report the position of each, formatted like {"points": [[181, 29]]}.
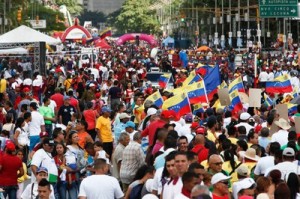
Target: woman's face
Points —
{"points": [[59, 149], [75, 138], [20, 155]]}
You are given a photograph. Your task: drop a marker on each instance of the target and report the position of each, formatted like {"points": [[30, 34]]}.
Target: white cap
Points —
{"points": [[149, 184], [124, 115], [245, 116], [218, 177], [244, 184], [151, 111], [149, 196], [288, 152], [92, 84]]}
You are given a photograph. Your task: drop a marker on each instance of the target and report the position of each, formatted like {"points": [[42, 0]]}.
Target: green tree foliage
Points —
{"points": [[95, 17], [135, 16], [72, 5]]}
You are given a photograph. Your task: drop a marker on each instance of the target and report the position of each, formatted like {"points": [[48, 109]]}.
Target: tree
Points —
{"points": [[95, 17], [135, 16], [72, 5]]}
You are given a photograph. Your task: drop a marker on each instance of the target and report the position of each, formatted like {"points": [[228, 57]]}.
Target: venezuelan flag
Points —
{"points": [[292, 109], [198, 108], [164, 79], [105, 33], [295, 94], [268, 100], [223, 85], [217, 105], [193, 77], [196, 92], [281, 84], [236, 84], [236, 104], [179, 103], [212, 81], [156, 98]]}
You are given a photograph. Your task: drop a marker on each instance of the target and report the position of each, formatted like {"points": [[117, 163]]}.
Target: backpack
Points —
{"points": [[136, 192]]}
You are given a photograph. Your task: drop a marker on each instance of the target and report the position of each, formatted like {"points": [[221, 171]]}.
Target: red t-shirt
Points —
{"points": [[90, 118], [201, 151], [151, 129], [9, 172], [219, 197], [73, 102], [59, 100]]}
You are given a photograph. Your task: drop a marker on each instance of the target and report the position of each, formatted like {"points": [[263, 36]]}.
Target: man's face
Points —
{"points": [[126, 141], [222, 187], [170, 165], [216, 164], [181, 163], [183, 145], [41, 175], [48, 148], [190, 185], [44, 192], [200, 173]]}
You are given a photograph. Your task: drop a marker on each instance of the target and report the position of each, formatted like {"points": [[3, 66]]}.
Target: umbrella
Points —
{"points": [[296, 100], [204, 49]]}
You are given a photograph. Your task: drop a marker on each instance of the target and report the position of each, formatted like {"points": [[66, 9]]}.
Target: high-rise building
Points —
{"points": [[105, 6]]}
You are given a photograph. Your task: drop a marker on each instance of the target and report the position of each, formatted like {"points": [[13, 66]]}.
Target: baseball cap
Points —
{"points": [[242, 170], [92, 85], [48, 141], [245, 184], [43, 134], [124, 115], [218, 177], [194, 125], [151, 111], [130, 124], [245, 116], [200, 130], [9, 145], [42, 169], [166, 114], [66, 97], [288, 152], [105, 109]]}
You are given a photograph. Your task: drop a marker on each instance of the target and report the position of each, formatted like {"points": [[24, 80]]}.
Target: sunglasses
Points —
{"points": [[218, 163], [224, 182]]}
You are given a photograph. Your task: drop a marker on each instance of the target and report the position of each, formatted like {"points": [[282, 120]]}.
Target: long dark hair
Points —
{"points": [[293, 183], [19, 123], [142, 171], [229, 156]]}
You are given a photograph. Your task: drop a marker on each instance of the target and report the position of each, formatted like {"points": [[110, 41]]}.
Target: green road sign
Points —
{"points": [[278, 8]]}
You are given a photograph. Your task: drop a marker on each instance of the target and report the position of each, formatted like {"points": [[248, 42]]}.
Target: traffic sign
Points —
{"points": [[278, 8]]}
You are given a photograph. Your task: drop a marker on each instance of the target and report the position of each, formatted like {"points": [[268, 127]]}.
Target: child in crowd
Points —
{"points": [[99, 152]]}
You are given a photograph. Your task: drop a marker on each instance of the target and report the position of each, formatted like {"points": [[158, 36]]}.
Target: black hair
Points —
{"points": [[229, 156], [27, 115], [190, 155], [173, 134], [45, 100], [293, 183], [242, 144], [19, 123], [250, 135], [169, 157], [211, 122], [9, 118], [98, 144], [84, 123], [188, 176], [56, 131], [264, 132], [274, 146], [44, 183], [170, 142], [183, 137], [142, 171], [242, 130], [195, 165]]}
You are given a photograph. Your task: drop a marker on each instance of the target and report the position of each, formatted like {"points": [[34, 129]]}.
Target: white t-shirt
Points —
{"points": [[170, 190], [100, 187], [23, 137], [181, 196], [157, 185], [41, 158], [35, 124], [263, 164], [285, 168], [27, 82], [246, 125], [281, 137], [263, 76], [27, 194]]}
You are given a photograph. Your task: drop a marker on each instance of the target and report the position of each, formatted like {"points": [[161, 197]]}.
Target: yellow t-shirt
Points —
{"points": [[211, 136], [3, 83], [25, 176], [233, 140], [104, 126], [68, 83]]}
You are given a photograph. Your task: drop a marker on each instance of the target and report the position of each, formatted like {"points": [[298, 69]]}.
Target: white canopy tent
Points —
{"points": [[19, 51], [24, 34]]}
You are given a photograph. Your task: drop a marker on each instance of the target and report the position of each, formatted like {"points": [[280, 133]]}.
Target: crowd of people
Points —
{"points": [[90, 132]]}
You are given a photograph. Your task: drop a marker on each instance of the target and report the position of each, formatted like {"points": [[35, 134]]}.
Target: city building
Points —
{"points": [[104, 6]]}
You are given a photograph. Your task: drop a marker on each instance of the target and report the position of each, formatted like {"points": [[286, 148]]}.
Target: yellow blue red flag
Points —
{"points": [[156, 98], [281, 84], [179, 103]]}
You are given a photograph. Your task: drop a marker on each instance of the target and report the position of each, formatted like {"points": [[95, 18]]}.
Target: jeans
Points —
{"points": [[56, 195], [33, 141], [48, 128], [64, 189], [10, 192]]}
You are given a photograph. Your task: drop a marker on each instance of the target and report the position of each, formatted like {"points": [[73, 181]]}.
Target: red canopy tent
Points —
{"points": [[101, 43]]}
